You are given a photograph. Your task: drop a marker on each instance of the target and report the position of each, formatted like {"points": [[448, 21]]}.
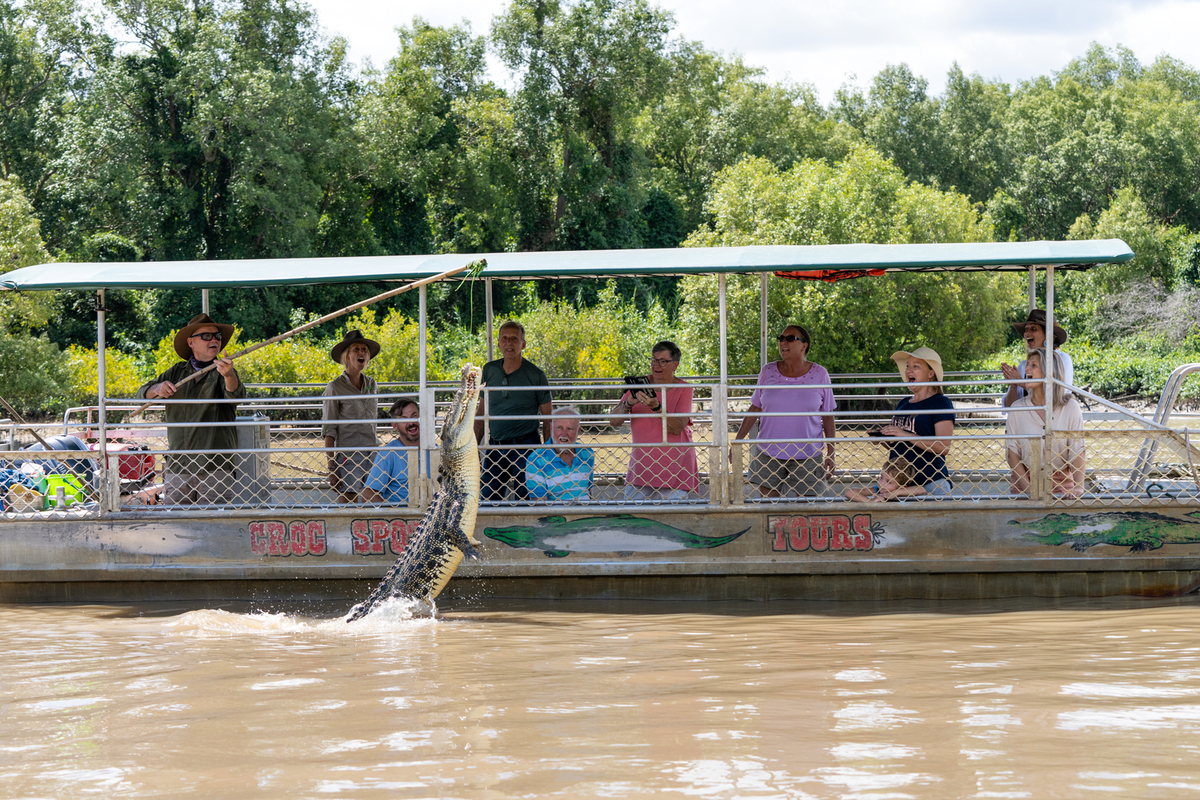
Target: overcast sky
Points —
{"points": [[827, 42]]}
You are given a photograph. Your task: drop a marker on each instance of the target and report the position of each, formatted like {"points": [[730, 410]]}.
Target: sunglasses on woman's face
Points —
{"points": [[787, 337]]}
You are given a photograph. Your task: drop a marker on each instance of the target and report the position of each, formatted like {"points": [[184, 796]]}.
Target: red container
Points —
{"points": [[135, 464]]}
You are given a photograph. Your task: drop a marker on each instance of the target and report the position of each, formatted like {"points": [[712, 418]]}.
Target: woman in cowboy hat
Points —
{"points": [[1033, 331], [927, 413], [345, 399]]}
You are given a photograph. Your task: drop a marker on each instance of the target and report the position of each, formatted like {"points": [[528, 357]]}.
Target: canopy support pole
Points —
{"points": [[114, 500], [1048, 369], [204, 300], [762, 321], [718, 474], [491, 340], [1032, 288], [426, 400]]}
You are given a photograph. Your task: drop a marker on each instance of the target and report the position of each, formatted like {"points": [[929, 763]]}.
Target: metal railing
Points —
{"points": [[281, 463]]}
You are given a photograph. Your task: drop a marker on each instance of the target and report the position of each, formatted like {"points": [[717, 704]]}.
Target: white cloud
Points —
{"points": [[822, 42]]}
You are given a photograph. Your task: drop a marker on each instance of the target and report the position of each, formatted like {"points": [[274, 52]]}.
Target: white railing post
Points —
{"points": [[425, 397], [1048, 371], [491, 340], [718, 475], [108, 481], [762, 322], [426, 462]]}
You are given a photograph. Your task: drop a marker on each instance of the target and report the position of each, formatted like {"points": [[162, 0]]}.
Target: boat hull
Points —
{"points": [[829, 552]]}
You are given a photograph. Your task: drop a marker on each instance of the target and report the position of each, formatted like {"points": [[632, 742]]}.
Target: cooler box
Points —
{"points": [[72, 488]]}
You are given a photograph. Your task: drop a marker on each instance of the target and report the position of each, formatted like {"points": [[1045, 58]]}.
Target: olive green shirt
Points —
{"points": [[210, 386]]}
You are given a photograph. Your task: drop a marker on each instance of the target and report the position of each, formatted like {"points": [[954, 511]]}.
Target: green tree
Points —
{"points": [[584, 70], [21, 246], [901, 123], [713, 111], [1086, 297], [206, 138], [976, 159], [1102, 124], [855, 324], [31, 372], [40, 48]]}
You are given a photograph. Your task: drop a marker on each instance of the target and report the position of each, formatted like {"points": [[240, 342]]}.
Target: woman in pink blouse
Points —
{"points": [[663, 474], [792, 466]]}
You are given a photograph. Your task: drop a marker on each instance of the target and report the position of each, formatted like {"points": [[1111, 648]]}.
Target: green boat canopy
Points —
{"points": [[570, 264]]}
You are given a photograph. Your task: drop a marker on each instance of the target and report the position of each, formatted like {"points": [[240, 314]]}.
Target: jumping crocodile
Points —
{"points": [[620, 533], [446, 532], [1138, 530]]}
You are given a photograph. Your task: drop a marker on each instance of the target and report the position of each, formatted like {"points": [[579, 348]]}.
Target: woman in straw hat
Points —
{"points": [[927, 413], [350, 397]]}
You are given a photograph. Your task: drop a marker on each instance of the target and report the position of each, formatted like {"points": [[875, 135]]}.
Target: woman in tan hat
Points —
{"points": [[345, 399], [927, 413], [1033, 331]]}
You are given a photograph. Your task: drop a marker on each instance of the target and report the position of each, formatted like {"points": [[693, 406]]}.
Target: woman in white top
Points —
{"points": [[1033, 330], [1027, 417]]}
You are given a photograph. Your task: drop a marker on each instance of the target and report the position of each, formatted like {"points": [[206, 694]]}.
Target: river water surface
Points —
{"points": [[1095, 699]]}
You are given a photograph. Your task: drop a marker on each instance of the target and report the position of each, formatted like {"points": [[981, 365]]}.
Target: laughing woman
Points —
{"points": [[794, 466], [928, 413], [348, 470], [1026, 417]]}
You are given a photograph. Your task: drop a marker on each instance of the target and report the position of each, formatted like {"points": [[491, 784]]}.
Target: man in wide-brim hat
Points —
{"points": [[206, 478], [350, 397], [1033, 331]]}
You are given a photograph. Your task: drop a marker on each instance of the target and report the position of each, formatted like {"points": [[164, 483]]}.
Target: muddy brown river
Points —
{"points": [[488, 700]]}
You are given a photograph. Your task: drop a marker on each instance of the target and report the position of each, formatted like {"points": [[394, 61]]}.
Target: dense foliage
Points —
{"points": [[187, 130]]}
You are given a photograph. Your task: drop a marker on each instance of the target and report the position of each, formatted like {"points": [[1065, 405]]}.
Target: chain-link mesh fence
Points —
{"points": [[636, 456]]}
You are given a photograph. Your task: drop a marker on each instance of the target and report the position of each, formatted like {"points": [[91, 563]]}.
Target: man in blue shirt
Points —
{"points": [[561, 472], [387, 482]]}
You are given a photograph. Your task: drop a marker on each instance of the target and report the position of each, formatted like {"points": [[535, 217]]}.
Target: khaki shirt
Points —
{"points": [[344, 434]]}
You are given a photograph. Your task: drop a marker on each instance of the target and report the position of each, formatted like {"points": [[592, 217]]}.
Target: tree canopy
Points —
{"points": [[856, 324], [198, 129]]}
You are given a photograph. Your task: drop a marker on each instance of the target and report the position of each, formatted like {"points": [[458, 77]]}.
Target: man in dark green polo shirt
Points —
{"points": [[194, 478], [514, 388]]}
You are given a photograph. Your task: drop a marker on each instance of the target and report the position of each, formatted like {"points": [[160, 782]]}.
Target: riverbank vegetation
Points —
{"points": [[172, 131]]}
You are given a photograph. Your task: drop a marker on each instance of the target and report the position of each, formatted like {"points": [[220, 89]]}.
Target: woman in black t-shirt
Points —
{"points": [[927, 413]]}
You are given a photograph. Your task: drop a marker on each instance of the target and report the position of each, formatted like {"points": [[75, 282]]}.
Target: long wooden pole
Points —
{"points": [[480, 264], [20, 421], [45, 445]]}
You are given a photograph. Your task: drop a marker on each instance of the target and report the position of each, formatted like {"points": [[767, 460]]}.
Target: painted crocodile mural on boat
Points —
{"points": [[1138, 530], [619, 533]]}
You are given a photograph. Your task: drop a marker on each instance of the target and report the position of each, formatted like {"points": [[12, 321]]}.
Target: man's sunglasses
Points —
{"points": [[206, 336], [787, 337]]}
